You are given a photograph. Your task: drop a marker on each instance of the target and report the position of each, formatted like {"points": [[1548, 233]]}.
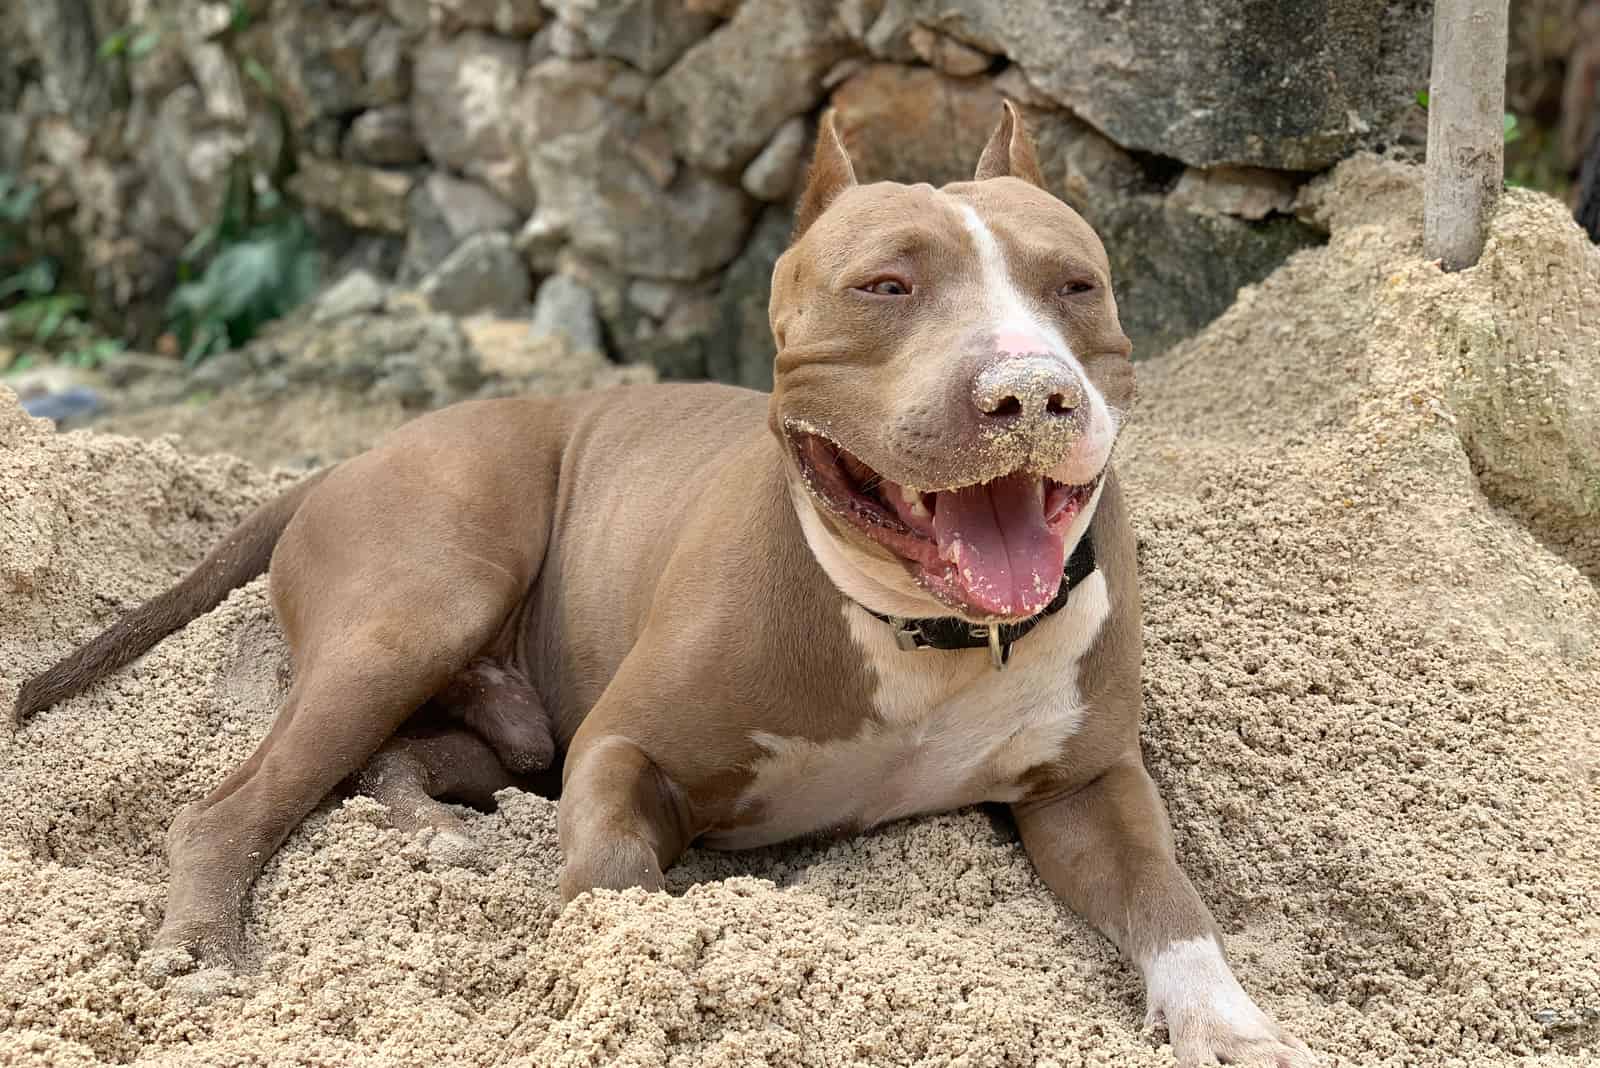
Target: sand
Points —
{"points": [[1371, 690]]}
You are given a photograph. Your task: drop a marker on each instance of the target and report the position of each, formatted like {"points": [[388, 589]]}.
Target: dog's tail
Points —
{"points": [[243, 555]]}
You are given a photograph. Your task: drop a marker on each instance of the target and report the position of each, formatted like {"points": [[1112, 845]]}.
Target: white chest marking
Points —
{"points": [[949, 730]]}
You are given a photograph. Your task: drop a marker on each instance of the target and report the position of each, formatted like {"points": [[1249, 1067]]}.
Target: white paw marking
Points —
{"points": [[1208, 1016]]}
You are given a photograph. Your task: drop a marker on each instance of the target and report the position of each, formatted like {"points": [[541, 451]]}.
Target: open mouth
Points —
{"points": [[991, 550]]}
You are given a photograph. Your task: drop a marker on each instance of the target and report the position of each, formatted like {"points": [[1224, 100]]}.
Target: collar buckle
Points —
{"points": [[907, 635]]}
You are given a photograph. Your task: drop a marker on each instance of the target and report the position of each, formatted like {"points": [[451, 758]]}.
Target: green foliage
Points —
{"points": [[33, 310], [260, 263]]}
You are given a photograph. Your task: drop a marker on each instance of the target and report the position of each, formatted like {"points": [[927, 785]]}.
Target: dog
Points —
{"points": [[903, 582]]}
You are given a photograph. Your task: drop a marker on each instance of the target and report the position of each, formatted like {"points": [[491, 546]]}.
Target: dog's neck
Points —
{"points": [[953, 632]]}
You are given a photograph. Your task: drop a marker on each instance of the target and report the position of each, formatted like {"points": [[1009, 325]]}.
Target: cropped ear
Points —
{"points": [[830, 175], [1010, 151]]}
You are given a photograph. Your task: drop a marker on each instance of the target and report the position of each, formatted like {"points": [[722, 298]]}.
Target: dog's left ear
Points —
{"points": [[1010, 151]]}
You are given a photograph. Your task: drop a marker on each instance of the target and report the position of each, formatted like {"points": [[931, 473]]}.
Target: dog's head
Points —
{"points": [[950, 378]]}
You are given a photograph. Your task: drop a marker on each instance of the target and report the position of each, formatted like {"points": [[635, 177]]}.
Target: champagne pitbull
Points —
{"points": [[903, 583]]}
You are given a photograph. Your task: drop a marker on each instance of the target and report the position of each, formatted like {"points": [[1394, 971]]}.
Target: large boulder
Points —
{"points": [[914, 124], [484, 275], [1178, 257], [1296, 85], [326, 62], [728, 95], [607, 180], [647, 34], [464, 104], [442, 212]]}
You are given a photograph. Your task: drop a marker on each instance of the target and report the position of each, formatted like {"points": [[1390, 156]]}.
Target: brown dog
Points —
{"points": [[903, 583]]}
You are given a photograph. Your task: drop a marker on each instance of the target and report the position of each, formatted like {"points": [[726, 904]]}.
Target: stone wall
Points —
{"points": [[634, 160]]}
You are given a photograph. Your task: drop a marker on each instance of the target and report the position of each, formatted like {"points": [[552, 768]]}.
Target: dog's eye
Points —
{"points": [[887, 287], [1075, 287]]}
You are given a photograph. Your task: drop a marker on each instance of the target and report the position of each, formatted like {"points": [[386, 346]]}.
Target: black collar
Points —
{"points": [[952, 633]]}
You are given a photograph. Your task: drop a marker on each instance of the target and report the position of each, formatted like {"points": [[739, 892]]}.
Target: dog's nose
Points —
{"points": [[1026, 389]]}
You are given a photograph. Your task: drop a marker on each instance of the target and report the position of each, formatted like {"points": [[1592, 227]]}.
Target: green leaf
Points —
{"points": [[258, 74], [1422, 99], [37, 279], [143, 43], [116, 44], [1512, 131]]}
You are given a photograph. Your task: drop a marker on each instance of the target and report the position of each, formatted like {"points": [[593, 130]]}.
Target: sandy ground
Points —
{"points": [[1370, 696]]}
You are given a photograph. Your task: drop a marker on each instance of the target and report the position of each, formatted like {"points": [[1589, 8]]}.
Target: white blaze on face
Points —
{"points": [[1018, 328]]}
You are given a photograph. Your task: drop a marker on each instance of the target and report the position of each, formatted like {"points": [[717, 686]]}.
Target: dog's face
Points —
{"points": [[950, 379]]}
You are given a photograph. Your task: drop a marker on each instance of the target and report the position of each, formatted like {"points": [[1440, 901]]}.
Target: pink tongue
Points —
{"points": [[1007, 560]]}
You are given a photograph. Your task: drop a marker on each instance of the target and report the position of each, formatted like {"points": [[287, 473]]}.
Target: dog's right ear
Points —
{"points": [[830, 175]]}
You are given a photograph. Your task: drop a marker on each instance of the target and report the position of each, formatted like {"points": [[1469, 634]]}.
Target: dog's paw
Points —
{"points": [[190, 949], [1205, 1037], [207, 984], [1208, 1017], [450, 848]]}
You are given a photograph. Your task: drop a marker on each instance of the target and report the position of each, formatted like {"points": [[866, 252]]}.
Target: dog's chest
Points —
{"points": [[949, 731]]}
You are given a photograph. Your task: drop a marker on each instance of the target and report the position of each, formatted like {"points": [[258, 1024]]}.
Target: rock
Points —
{"points": [[515, 362], [883, 27], [464, 105], [656, 299], [740, 349], [566, 308], [325, 62], [1294, 86], [597, 187], [76, 83], [646, 34], [187, 158], [567, 42], [411, 14], [728, 95], [513, 18], [948, 54], [484, 274], [1245, 192], [70, 405], [383, 137], [914, 124], [443, 211], [386, 63], [774, 171], [354, 294], [215, 74], [1174, 267], [540, 241], [722, 9], [365, 197], [132, 368], [679, 347]]}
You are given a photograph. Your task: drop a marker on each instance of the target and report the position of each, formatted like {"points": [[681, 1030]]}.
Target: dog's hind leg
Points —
{"points": [[411, 775], [501, 707], [382, 605]]}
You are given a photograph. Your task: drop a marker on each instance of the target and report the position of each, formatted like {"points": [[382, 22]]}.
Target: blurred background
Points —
{"points": [[279, 227]]}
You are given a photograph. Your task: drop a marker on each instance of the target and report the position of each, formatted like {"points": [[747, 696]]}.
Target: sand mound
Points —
{"points": [[1371, 706]]}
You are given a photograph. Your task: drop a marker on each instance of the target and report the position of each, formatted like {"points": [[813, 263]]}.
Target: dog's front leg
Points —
{"points": [[1106, 850]]}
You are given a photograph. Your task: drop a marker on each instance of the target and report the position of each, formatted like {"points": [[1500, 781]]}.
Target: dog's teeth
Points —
{"points": [[913, 500]]}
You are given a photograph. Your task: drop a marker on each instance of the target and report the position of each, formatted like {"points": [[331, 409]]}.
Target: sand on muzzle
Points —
{"points": [[1371, 683]]}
